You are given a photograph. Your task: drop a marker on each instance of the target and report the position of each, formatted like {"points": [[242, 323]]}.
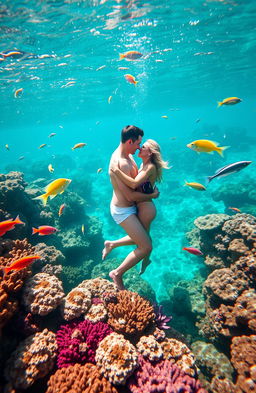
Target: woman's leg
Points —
{"points": [[146, 214]]}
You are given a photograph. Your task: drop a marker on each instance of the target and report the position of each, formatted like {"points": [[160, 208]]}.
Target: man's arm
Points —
{"points": [[134, 196]]}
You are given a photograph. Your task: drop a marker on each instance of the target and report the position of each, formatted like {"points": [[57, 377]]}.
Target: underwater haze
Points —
{"points": [[66, 78]]}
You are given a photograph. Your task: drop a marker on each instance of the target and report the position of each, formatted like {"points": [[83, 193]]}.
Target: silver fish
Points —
{"points": [[228, 169]]}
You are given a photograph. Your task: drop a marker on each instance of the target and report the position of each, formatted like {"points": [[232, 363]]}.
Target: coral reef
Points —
{"points": [[42, 294], [76, 303], [162, 377], [83, 379], [34, 358], [131, 314], [117, 358], [12, 283], [78, 341]]}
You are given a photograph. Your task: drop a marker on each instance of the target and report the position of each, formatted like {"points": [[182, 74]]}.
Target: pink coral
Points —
{"points": [[78, 341], [162, 377]]}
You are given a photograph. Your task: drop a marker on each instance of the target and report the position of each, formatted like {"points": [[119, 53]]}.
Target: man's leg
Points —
{"points": [[139, 236], [109, 245]]}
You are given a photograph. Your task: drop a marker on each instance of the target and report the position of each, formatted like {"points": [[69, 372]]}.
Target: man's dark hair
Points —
{"points": [[131, 132]]}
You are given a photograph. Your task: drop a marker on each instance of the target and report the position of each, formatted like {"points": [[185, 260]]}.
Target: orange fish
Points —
{"points": [[78, 146], [235, 209], [20, 263], [131, 79], [44, 230], [131, 55], [62, 207], [8, 225]]}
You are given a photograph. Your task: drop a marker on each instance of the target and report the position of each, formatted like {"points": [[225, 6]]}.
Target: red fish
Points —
{"points": [[193, 250], [8, 225], [235, 209], [20, 263], [62, 207], [44, 230]]}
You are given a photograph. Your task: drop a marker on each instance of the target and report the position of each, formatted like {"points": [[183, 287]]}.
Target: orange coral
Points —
{"points": [[12, 250], [180, 354], [82, 379], [131, 314]]}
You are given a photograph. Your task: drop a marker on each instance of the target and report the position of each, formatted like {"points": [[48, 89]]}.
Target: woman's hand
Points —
{"points": [[156, 193]]}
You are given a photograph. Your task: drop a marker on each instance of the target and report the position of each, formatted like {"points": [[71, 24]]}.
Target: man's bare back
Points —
{"points": [[127, 165]]}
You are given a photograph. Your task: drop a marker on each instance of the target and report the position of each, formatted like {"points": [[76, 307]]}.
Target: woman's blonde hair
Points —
{"points": [[156, 158]]}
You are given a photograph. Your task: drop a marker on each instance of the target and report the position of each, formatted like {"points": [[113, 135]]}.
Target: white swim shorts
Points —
{"points": [[120, 214]]}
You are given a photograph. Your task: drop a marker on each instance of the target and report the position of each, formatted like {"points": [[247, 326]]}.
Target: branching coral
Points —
{"points": [[131, 314], [162, 377], [81, 379], [78, 341]]}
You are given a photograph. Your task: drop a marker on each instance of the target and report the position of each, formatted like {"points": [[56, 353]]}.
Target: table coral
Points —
{"points": [[33, 359], [131, 314], [162, 377], [76, 303], [210, 222], [117, 358], [78, 341], [42, 294], [82, 379]]}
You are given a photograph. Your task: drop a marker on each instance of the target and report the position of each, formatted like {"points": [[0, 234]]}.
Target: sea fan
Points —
{"points": [[161, 319]]}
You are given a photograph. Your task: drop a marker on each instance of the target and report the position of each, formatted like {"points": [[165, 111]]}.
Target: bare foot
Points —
{"points": [[144, 265], [107, 249], [117, 279]]}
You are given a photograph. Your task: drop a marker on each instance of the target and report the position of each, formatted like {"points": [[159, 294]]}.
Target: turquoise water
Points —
{"points": [[195, 54]]}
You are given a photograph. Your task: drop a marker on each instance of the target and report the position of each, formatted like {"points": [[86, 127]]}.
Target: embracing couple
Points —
{"points": [[133, 190]]}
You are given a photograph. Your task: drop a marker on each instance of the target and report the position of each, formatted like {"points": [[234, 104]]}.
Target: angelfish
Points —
{"points": [[228, 169]]}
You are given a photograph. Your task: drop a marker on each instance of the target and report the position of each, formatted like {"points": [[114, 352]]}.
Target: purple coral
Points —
{"points": [[162, 377], [161, 319], [78, 341]]}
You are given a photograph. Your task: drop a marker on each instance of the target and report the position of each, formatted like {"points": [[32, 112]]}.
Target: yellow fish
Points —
{"points": [[56, 187], [78, 146], [164, 117], [50, 168], [7, 147], [82, 229], [206, 146], [131, 55], [229, 101], [41, 146], [109, 99], [196, 186]]}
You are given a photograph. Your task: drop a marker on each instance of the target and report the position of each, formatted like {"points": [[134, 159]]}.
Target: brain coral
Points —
{"points": [[78, 341], [82, 379], [34, 358], [76, 303], [97, 286], [162, 377], [117, 358], [131, 314], [42, 293]]}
